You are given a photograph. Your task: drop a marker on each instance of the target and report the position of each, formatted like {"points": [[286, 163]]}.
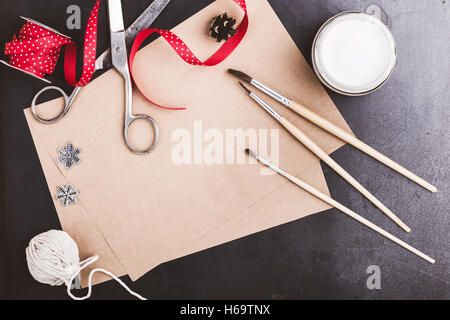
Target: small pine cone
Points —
{"points": [[221, 27]]}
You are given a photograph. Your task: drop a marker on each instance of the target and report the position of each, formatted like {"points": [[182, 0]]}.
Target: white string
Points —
{"points": [[53, 259]]}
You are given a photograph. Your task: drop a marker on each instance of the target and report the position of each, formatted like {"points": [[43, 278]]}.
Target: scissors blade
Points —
{"points": [[104, 61], [115, 16], [144, 21]]}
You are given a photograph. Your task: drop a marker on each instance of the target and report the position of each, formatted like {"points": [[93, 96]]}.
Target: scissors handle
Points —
{"points": [[121, 66], [129, 120], [68, 101], [119, 60]]}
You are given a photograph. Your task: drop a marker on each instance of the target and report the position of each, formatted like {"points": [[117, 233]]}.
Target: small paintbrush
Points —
{"points": [[314, 148], [333, 129], [339, 206]]}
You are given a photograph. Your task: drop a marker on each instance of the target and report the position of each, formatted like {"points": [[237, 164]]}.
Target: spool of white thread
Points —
{"points": [[53, 259], [354, 53]]}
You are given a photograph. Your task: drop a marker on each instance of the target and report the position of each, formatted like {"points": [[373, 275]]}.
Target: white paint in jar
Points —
{"points": [[354, 53]]}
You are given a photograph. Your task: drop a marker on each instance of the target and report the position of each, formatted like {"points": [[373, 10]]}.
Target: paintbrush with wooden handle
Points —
{"points": [[314, 148], [333, 129], [339, 206]]}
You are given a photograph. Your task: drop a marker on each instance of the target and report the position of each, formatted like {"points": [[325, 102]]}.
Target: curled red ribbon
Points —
{"points": [[185, 53], [36, 50]]}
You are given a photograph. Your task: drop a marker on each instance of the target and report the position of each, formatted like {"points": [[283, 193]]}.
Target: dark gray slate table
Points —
{"points": [[322, 256]]}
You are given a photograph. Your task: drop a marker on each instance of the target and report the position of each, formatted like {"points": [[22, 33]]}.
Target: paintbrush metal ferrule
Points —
{"points": [[271, 166], [271, 93], [265, 106], [260, 86], [265, 162]]}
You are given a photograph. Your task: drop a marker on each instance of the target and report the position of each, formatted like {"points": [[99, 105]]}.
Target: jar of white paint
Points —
{"points": [[354, 53]]}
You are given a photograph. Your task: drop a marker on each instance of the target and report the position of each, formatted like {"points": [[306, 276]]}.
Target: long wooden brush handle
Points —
{"points": [[355, 216], [307, 142], [345, 136]]}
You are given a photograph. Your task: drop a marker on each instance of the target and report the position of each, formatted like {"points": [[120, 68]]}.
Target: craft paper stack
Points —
{"points": [[137, 212]]}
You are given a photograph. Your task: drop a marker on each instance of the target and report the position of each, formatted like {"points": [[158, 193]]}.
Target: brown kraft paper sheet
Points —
{"points": [[141, 211]]}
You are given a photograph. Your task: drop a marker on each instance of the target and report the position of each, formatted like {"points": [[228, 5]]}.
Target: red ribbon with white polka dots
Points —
{"points": [[36, 50], [185, 53]]}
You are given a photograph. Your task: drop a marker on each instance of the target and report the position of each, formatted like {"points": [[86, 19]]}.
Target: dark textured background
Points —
{"points": [[322, 256]]}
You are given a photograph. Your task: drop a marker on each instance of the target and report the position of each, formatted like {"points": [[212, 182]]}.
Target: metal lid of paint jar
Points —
{"points": [[354, 53]]}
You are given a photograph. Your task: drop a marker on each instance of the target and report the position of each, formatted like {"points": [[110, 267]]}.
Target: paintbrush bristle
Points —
{"points": [[250, 152], [240, 75], [245, 88]]}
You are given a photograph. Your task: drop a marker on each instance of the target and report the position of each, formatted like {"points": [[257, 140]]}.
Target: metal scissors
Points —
{"points": [[121, 40]]}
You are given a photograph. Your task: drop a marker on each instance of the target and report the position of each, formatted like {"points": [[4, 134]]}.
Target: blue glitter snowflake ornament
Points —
{"points": [[67, 195], [69, 155]]}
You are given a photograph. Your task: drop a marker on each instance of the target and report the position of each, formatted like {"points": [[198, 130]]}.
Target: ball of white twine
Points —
{"points": [[53, 259]]}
